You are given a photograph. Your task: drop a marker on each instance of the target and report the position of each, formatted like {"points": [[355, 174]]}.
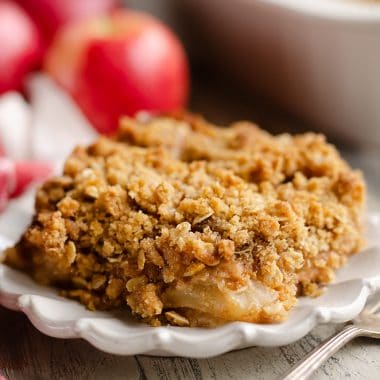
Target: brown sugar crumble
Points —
{"points": [[193, 225]]}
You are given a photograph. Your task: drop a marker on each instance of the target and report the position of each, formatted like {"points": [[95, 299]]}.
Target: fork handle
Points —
{"points": [[312, 361]]}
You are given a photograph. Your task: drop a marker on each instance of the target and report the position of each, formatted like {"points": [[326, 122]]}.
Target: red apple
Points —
{"points": [[118, 65], [50, 15], [20, 47]]}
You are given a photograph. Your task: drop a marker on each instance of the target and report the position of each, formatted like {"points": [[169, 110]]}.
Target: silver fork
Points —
{"points": [[366, 324]]}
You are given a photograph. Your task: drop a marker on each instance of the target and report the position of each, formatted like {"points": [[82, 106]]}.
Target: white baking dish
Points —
{"points": [[319, 59]]}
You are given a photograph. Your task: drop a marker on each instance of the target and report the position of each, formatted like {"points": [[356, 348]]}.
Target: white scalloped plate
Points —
{"points": [[118, 333]]}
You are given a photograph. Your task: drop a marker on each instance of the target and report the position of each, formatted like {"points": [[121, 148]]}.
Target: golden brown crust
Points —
{"points": [[190, 224]]}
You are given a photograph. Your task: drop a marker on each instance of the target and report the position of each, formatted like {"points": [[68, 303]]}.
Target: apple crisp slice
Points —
{"points": [[194, 225]]}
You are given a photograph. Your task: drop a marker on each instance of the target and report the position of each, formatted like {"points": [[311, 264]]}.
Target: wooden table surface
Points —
{"points": [[27, 354]]}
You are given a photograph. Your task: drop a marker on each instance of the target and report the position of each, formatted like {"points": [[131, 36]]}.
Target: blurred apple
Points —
{"points": [[120, 64], [50, 15], [20, 47]]}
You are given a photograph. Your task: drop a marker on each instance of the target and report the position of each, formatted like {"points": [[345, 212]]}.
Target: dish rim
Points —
{"points": [[352, 11]]}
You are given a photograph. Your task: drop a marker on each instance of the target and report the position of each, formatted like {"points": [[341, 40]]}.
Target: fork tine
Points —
{"points": [[373, 308]]}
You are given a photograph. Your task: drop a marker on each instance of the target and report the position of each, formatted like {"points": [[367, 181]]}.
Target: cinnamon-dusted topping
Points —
{"points": [[186, 223]]}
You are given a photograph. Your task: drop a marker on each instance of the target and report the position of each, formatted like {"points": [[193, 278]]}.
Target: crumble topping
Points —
{"points": [[190, 224]]}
